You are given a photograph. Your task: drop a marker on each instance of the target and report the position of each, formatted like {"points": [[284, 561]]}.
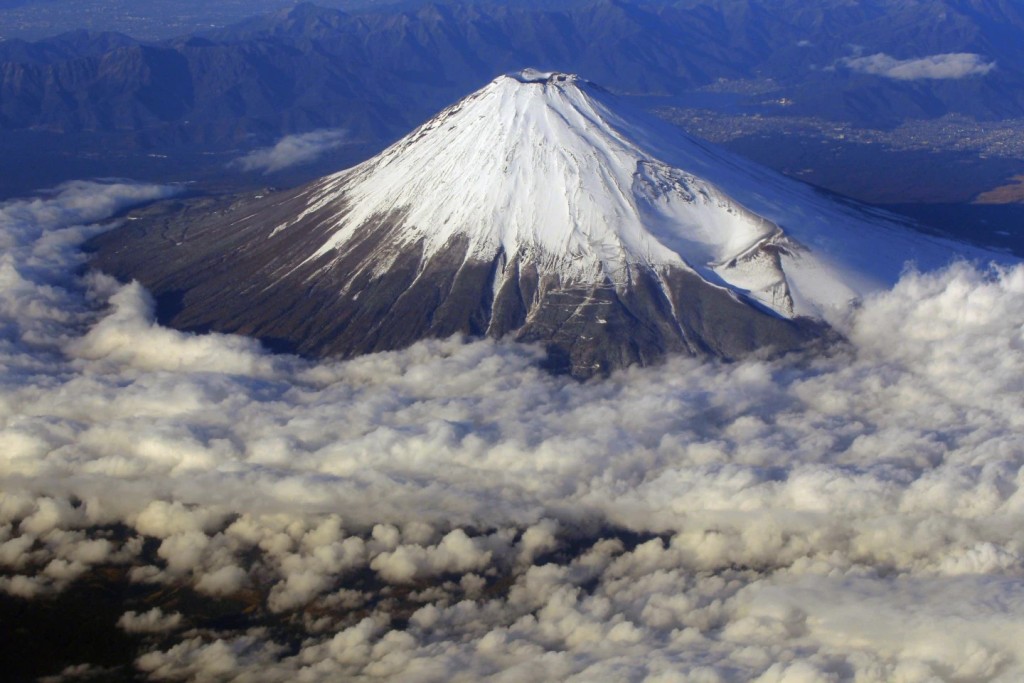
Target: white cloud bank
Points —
{"points": [[293, 150], [451, 513], [153, 621], [952, 65]]}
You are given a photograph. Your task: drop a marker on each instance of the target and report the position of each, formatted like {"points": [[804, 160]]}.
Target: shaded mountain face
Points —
{"points": [[540, 208], [378, 73]]}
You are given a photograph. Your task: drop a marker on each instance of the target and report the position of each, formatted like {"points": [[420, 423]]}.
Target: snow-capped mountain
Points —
{"points": [[538, 207]]}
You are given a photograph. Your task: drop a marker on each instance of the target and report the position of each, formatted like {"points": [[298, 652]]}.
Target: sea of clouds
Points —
{"points": [[453, 513]]}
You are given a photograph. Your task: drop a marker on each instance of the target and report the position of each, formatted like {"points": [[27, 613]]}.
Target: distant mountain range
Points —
{"points": [[376, 73]]}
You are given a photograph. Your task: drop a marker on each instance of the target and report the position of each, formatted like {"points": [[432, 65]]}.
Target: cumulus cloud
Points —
{"points": [[153, 621], [293, 150], [451, 512], [952, 65]]}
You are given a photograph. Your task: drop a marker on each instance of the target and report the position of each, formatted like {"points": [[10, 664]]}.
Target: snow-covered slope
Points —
{"points": [[540, 208], [551, 167]]}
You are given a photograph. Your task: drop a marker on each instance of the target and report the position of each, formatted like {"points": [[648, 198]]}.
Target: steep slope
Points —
{"points": [[538, 207]]}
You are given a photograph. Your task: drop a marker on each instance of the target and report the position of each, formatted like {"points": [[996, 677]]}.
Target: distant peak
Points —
{"points": [[309, 10]]}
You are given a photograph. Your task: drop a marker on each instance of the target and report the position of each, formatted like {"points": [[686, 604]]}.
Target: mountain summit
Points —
{"points": [[538, 207]]}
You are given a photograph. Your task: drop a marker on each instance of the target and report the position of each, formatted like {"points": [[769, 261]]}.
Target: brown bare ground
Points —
{"points": [[1011, 193]]}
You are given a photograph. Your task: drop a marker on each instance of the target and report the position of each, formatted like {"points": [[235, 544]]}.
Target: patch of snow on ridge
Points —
{"points": [[535, 76]]}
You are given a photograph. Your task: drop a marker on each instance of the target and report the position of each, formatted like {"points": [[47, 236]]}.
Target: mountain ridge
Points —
{"points": [[343, 69]]}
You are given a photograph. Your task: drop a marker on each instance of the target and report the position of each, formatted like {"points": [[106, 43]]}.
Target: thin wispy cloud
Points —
{"points": [[452, 512], [293, 150], [953, 65]]}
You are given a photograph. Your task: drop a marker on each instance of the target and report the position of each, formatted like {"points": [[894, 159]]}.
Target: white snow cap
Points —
{"points": [[553, 169]]}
